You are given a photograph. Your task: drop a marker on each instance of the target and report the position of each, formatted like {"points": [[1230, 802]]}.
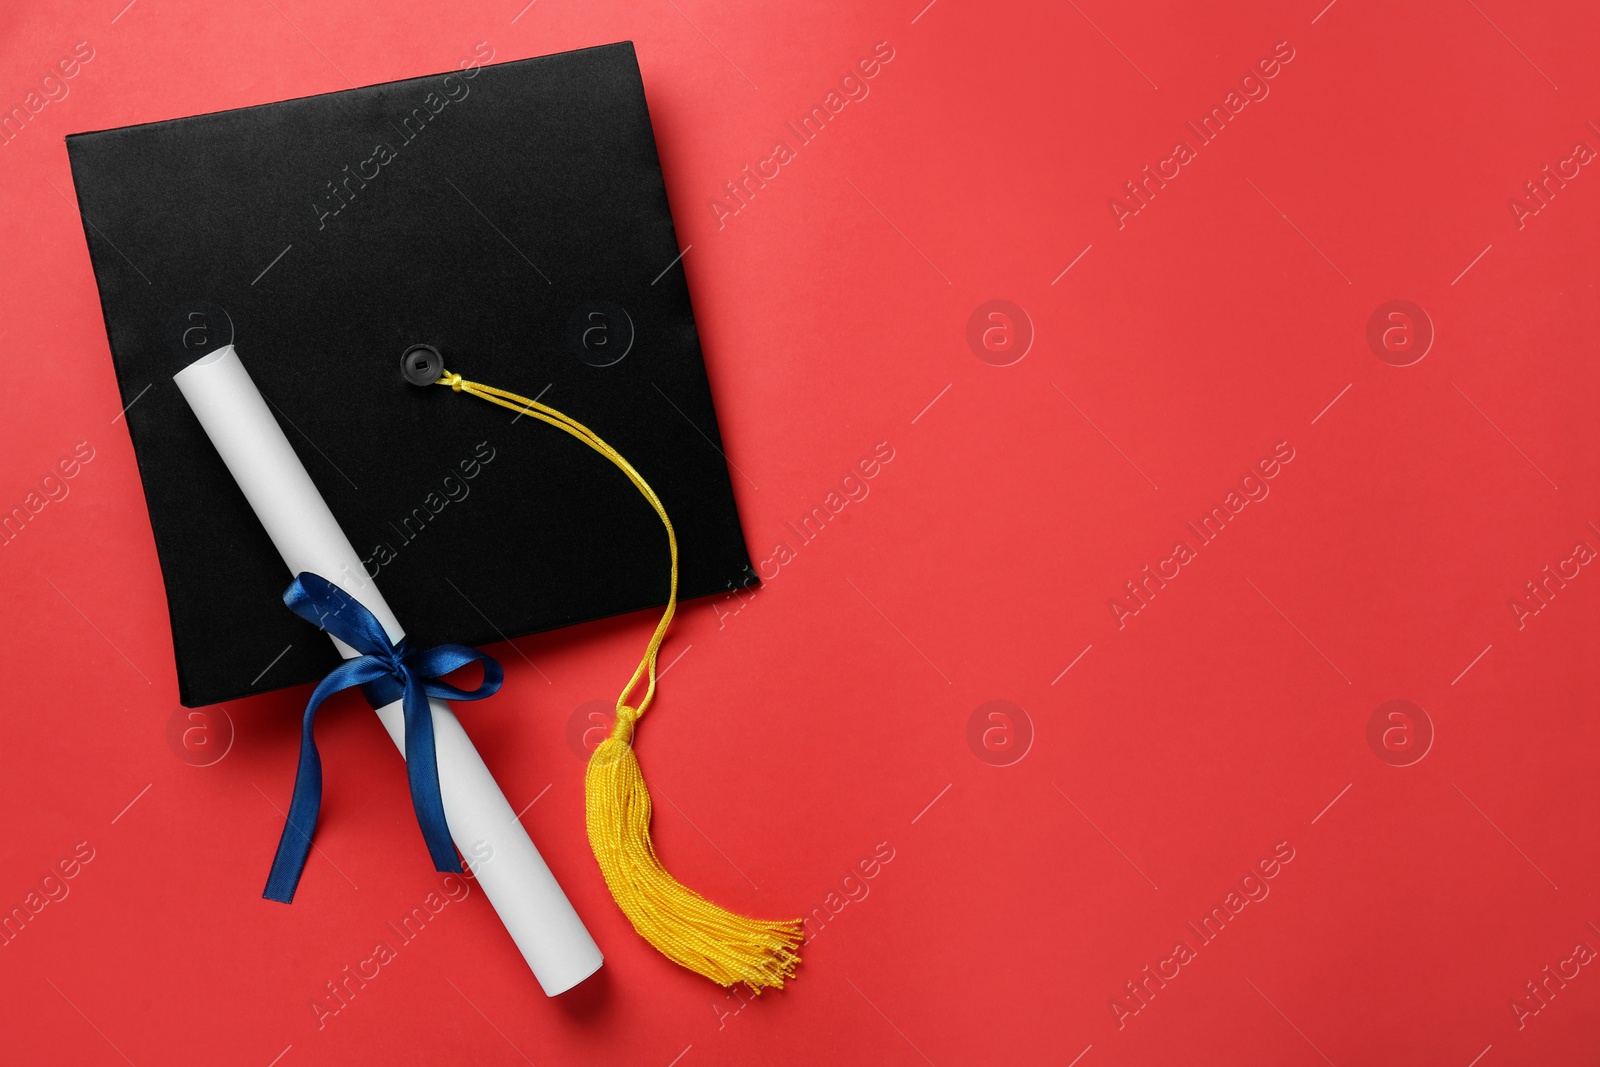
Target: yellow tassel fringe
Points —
{"points": [[684, 926]]}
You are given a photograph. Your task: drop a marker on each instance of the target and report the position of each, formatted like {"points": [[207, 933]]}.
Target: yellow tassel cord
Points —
{"points": [[686, 927]]}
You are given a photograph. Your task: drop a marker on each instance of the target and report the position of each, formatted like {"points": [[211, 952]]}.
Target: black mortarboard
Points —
{"points": [[514, 217]]}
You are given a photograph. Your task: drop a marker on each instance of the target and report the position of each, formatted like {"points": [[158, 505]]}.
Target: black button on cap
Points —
{"points": [[422, 365]]}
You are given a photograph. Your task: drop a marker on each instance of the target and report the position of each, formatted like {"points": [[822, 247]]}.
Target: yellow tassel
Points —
{"points": [[686, 927]]}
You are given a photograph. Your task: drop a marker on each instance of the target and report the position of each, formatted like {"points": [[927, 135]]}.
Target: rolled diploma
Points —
{"points": [[513, 875]]}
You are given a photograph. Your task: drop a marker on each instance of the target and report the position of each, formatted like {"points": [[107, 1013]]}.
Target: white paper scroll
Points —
{"points": [[514, 877]]}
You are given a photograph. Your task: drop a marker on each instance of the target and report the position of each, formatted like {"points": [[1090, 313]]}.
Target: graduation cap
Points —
{"points": [[510, 221], [514, 218]]}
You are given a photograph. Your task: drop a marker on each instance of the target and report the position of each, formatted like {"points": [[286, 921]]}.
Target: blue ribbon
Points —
{"points": [[385, 671]]}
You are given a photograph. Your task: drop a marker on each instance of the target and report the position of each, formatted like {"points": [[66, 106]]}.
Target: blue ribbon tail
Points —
{"points": [[295, 843], [422, 769]]}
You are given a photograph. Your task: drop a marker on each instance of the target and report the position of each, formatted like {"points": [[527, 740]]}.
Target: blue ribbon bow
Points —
{"points": [[385, 671]]}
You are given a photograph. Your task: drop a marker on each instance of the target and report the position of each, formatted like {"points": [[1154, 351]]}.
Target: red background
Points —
{"points": [[826, 716]]}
